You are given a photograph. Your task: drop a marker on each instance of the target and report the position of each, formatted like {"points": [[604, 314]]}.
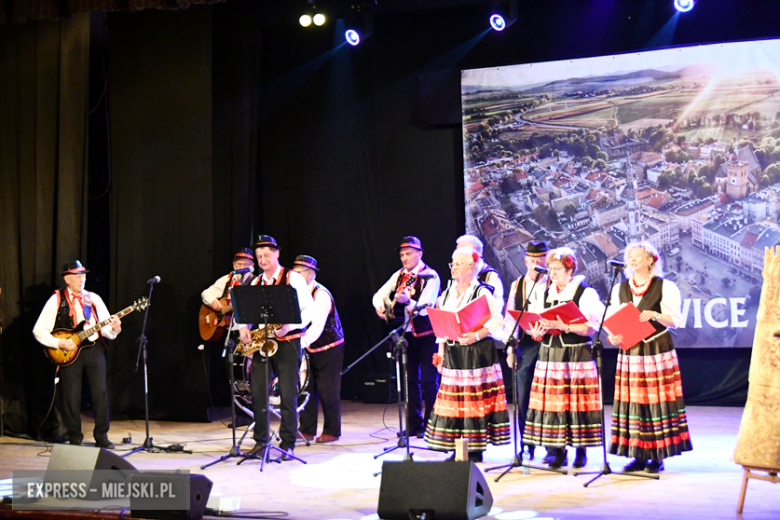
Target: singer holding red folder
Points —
{"points": [[565, 405], [471, 402], [648, 415]]}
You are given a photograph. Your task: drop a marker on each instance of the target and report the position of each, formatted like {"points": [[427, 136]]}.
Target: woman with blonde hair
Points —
{"points": [[471, 402], [648, 415], [565, 404]]}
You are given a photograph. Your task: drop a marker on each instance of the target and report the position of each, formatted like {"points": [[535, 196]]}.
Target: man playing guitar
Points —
{"points": [[65, 309], [219, 292], [413, 286]]}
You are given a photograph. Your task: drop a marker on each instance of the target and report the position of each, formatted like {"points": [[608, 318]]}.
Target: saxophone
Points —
{"points": [[262, 343]]}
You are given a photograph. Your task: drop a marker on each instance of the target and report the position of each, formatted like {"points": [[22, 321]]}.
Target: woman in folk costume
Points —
{"points": [[565, 404], [471, 402], [648, 415]]}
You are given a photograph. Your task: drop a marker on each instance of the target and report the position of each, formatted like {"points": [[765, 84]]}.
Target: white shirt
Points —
{"points": [[427, 297], [590, 304], [322, 308], [297, 282], [216, 291], [496, 322], [534, 299], [671, 302], [45, 323]]}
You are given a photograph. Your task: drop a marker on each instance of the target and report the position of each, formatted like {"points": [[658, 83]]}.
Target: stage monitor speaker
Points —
{"points": [[66, 457], [433, 490], [200, 489]]}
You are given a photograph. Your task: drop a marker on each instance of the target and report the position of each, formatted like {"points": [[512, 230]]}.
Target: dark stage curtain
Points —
{"points": [[160, 99], [23, 10], [43, 171]]}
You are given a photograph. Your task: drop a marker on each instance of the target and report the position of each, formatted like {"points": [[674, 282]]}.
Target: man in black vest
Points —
{"points": [[65, 310], [411, 287], [527, 348], [243, 259], [324, 341], [286, 362], [220, 289], [487, 274]]}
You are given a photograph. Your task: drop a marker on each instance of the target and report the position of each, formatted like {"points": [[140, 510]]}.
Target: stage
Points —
{"points": [[338, 483]]}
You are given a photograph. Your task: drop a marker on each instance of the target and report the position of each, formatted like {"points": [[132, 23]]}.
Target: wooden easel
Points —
{"points": [[771, 476]]}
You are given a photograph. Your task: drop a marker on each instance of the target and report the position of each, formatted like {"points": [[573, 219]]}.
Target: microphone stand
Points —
{"points": [[598, 349], [228, 348], [148, 445], [517, 461]]}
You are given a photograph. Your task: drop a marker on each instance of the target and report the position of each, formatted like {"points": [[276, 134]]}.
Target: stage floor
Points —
{"points": [[337, 482]]}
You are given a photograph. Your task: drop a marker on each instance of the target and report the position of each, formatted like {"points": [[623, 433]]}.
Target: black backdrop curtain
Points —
{"points": [[224, 125], [43, 172]]}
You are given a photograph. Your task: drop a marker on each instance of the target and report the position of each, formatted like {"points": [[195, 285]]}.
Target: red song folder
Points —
{"points": [[452, 325], [625, 322], [568, 312]]}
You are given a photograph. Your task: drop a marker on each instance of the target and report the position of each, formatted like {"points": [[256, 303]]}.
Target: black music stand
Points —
{"points": [[598, 349], [517, 460], [275, 304]]}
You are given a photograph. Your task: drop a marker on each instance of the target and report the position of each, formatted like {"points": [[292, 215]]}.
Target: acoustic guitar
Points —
{"points": [[212, 324], [79, 336]]}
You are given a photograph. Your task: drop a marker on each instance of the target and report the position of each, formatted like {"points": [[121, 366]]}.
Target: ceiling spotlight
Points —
{"points": [[497, 22], [305, 20], [319, 19], [352, 37], [684, 5]]}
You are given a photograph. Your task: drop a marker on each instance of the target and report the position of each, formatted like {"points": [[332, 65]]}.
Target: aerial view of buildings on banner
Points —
{"points": [[679, 147]]}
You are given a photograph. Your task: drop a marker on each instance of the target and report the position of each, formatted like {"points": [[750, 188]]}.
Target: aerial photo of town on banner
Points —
{"points": [[679, 147]]}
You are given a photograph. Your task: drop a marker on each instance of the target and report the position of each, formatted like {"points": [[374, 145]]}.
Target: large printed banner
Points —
{"points": [[679, 147]]}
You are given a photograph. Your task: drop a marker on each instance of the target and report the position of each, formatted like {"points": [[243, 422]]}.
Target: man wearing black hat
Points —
{"points": [[65, 309], [527, 349], [286, 362], [413, 286], [242, 260], [324, 341]]}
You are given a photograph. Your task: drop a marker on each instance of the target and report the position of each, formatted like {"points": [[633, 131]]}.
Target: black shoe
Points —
{"points": [[289, 454], [75, 442], [635, 465], [654, 466], [580, 459], [256, 451], [475, 456], [550, 456], [561, 459], [451, 458], [104, 443]]}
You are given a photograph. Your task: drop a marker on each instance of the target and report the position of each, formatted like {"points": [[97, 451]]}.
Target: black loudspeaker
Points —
{"points": [[200, 489], [433, 490], [65, 456]]}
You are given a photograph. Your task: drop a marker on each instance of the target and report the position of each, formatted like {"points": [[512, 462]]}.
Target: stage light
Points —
{"points": [[684, 5], [352, 37], [319, 19], [497, 22], [305, 20]]}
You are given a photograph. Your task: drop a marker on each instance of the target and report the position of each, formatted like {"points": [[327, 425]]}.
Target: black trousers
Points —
{"points": [[527, 355], [324, 387], [423, 380], [285, 364], [91, 362]]}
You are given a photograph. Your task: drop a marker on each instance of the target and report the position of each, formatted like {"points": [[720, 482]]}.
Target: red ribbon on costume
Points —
{"points": [[71, 300]]}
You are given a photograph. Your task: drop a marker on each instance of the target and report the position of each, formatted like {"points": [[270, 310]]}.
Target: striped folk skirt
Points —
{"points": [[648, 415], [565, 404], [471, 402]]}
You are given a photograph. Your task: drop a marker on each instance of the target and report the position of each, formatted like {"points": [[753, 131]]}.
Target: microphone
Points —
{"points": [[540, 269], [156, 279], [617, 264], [245, 270]]}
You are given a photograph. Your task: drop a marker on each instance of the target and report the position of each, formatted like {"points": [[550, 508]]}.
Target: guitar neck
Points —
{"points": [[90, 331]]}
